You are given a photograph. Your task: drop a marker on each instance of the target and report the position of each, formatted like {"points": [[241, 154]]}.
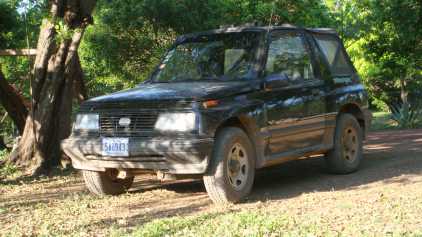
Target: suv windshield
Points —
{"points": [[228, 56]]}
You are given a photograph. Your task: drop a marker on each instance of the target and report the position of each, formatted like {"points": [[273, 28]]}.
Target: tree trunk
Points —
{"points": [[81, 93], [13, 103], [404, 94], [55, 67]]}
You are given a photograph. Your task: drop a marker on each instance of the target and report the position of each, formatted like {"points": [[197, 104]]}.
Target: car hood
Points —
{"points": [[188, 91]]}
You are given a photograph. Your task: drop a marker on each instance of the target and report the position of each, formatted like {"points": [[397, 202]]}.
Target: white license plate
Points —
{"points": [[115, 147]]}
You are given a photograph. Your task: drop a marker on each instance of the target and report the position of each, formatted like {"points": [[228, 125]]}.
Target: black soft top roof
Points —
{"points": [[256, 29]]}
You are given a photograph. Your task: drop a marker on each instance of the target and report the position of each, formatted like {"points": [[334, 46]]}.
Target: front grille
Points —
{"points": [[141, 125], [135, 105]]}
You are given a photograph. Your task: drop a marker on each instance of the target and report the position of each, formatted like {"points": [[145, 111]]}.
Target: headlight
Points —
{"points": [[176, 122], [87, 122]]}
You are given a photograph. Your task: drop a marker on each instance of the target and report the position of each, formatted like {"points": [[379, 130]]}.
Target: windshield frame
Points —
{"points": [[256, 62]]}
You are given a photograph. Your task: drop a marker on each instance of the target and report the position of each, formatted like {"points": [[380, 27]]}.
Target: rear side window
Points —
{"points": [[335, 55]]}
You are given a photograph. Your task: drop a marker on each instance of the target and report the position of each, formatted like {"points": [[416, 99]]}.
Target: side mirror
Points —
{"points": [[278, 80]]}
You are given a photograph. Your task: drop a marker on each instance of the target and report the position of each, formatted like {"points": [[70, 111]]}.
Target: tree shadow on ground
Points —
{"points": [[56, 173]]}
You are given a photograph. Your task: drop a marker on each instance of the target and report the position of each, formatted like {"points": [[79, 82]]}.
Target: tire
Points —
{"points": [[230, 179], [346, 155], [106, 183]]}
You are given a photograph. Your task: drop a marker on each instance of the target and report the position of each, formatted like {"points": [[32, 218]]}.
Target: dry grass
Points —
{"points": [[383, 199]]}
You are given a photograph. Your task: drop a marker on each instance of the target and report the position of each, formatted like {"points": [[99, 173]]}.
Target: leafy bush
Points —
{"points": [[406, 115]]}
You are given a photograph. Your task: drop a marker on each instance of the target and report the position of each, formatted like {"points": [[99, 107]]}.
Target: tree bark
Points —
{"points": [[81, 92], [13, 103], [55, 68], [404, 94]]}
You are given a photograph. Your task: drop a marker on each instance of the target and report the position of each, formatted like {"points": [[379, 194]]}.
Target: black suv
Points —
{"points": [[222, 104]]}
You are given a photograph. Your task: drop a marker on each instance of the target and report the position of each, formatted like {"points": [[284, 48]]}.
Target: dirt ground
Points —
{"points": [[391, 174]]}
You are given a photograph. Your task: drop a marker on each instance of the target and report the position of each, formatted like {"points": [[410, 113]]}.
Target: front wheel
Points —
{"points": [[346, 155], [106, 183], [232, 169]]}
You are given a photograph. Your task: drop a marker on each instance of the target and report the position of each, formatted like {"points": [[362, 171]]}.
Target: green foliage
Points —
{"points": [[15, 26], [63, 31], [8, 22], [122, 48], [385, 41], [406, 116], [15, 70], [192, 15], [183, 16]]}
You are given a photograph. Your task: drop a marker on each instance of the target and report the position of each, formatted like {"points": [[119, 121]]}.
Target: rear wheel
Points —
{"points": [[106, 183], [232, 170], [346, 155]]}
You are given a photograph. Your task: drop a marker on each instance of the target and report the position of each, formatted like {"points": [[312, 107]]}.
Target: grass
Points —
{"points": [[382, 121], [243, 223], [258, 223], [7, 170]]}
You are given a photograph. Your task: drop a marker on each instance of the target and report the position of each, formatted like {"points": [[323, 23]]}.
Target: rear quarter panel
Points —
{"points": [[348, 94]]}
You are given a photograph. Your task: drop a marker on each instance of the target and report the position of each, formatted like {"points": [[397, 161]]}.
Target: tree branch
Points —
{"points": [[13, 103]]}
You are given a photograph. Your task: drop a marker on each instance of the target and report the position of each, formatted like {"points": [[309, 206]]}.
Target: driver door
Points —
{"points": [[287, 106]]}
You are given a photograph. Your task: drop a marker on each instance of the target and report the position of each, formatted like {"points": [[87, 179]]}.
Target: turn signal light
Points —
{"points": [[210, 103]]}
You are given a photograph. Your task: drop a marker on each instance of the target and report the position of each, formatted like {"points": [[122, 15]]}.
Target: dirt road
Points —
{"points": [[391, 171]]}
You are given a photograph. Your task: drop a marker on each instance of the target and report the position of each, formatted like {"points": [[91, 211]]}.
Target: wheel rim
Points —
{"points": [[237, 166], [350, 144]]}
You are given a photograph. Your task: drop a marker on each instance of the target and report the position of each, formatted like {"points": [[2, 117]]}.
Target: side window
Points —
{"points": [[335, 55], [287, 54]]}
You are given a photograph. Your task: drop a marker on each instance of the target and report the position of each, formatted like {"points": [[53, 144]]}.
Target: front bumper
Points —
{"points": [[175, 156]]}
